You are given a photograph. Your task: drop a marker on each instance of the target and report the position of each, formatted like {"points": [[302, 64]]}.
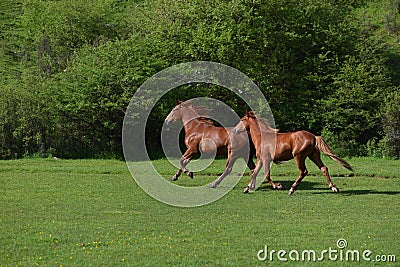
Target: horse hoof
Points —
{"points": [[174, 178], [246, 190], [279, 186], [213, 185], [291, 191], [335, 190], [191, 175]]}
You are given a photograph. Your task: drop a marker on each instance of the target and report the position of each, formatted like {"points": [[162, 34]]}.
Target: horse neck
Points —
{"points": [[255, 131], [189, 119]]}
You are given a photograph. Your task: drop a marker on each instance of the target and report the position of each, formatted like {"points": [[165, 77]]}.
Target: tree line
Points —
{"points": [[69, 69]]}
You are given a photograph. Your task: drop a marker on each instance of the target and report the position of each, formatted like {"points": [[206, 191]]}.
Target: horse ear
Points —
{"points": [[178, 101], [251, 114]]}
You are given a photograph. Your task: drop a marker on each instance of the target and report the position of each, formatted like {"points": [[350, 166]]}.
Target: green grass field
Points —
{"points": [[92, 213]]}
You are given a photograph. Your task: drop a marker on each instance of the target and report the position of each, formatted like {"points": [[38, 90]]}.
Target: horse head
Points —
{"points": [[251, 119], [244, 124], [178, 111]]}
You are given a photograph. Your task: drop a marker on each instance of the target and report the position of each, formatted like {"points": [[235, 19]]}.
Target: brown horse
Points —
{"points": [[201, 135], [272, 146]]}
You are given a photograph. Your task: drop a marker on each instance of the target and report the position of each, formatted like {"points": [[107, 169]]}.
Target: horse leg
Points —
{"points": [[252, 183], [301, 164], [268, 177], [316, 158], [176, 175], [250, 163], [183, 161], [228, 170]]}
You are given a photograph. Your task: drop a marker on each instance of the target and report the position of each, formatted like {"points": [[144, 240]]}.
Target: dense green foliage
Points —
{"points": [[92, 213], [69, 69]]}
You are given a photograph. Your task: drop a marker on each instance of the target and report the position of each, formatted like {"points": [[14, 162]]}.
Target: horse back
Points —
{"points": [[218, 134], [208, 138], [290, 144]]}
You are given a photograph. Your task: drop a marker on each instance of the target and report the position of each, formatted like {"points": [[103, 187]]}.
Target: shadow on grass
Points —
{"points": [[356, 192], [367, 192], [313, 186], [304, 185]]}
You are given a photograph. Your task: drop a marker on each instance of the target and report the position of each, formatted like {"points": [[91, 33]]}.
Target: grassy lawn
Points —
{"points": [[92, 213]]}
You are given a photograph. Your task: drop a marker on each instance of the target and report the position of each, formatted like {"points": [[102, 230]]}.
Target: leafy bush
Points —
{"points": [[391, 124], [69, 69]]}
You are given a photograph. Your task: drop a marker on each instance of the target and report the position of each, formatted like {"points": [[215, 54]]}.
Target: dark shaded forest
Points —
{"points": [[69, 69]]}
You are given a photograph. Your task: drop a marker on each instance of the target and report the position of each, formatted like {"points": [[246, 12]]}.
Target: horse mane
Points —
{"points": [[262, 122], [203, 112], [205, 120]]}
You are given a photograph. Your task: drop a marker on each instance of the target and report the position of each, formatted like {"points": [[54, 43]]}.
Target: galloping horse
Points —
{"points": [[199, 131], [298, 145]]}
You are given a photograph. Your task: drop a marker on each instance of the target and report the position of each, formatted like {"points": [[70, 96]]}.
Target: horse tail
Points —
{"points": [[322, 146]]}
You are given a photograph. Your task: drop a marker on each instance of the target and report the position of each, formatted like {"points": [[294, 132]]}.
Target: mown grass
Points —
{"points": [[92, 213]]}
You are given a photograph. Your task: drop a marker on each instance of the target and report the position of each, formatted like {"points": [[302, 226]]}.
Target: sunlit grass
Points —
{"points": [[92, 213]]}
